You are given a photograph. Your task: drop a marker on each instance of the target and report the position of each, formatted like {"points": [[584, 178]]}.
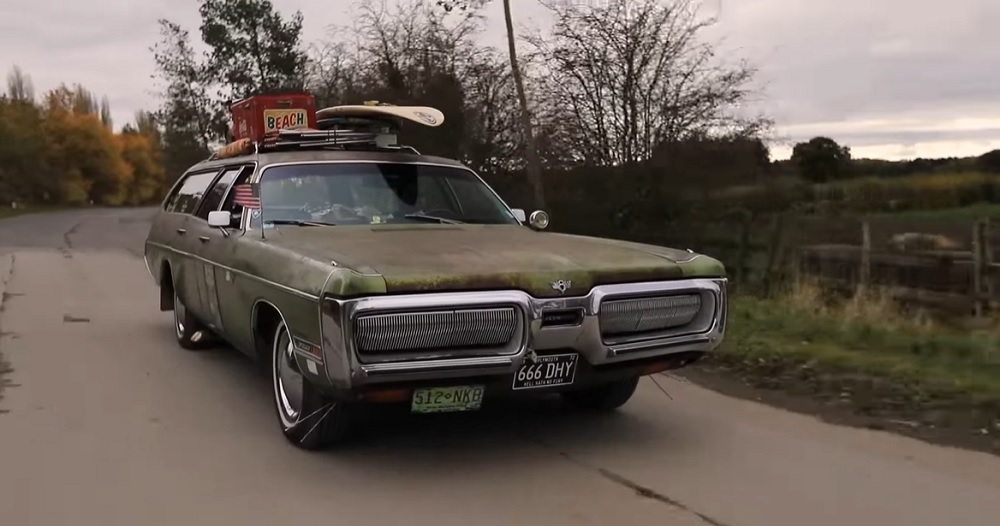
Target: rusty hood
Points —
{"points": [[424, 258]]}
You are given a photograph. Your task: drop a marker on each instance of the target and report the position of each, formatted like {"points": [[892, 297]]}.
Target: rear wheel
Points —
{"points": [[604, 397], [308, 419], [190, 332]]}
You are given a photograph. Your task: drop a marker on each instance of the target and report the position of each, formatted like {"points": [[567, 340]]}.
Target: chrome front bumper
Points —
{"points": [[346, 368]]}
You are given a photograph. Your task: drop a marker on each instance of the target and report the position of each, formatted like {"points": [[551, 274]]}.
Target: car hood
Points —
{"points": [[423, 258]]}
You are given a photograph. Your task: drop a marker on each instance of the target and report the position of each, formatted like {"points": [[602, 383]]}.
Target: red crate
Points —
{"points": [[261, 115]]}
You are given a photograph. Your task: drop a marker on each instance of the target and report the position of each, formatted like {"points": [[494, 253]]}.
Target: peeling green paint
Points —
{"points": [[703, 267]]}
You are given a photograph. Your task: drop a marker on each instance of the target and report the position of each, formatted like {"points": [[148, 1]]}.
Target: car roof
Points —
{"points": [[266, 158]]}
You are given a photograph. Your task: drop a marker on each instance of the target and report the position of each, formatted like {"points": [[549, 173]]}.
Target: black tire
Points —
{"points": [[307, 419], [187, 327], [605, 397]]}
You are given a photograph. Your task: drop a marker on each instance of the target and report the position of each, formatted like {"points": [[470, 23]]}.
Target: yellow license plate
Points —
{"points": [[447, 399]]}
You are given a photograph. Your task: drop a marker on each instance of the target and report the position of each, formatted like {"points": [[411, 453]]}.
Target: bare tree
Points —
{"points": [[629, 75], [533, 164], [408, 51], [19, 86]]}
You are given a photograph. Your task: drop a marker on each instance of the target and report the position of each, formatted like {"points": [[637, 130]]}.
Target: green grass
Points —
{"points": [[865, 352], [971, 213]]}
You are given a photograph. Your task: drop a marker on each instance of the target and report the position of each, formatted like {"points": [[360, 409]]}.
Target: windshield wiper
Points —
{"points": [[298, 222], [433, 218]]}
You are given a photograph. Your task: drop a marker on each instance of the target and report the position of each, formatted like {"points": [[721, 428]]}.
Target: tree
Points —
{"points": [[533, 166], [19, 86], [84, 150], [627, 76], [821, 159], [253, 49], [989, 161]]}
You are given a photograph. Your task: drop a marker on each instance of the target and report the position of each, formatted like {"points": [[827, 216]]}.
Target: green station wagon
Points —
{"points": [[362, 273]]}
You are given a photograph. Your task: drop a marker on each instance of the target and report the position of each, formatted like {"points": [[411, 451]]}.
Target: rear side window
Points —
{"points": [[214, 196], [190, 192]]}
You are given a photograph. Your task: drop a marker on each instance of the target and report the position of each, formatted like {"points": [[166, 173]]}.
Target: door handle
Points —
{"points": [[203, 239], [181, 231]]}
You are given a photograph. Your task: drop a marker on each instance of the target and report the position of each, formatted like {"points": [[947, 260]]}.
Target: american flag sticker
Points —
{"points": [[247, 195]]}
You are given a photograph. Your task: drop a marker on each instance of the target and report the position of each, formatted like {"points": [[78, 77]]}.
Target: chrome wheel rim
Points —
{"points": [[179, 311], [288, 380]]}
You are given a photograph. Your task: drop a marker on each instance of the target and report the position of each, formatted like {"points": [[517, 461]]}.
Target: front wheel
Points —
{"points": [[308, 419], [190, 333], [604, 397]]}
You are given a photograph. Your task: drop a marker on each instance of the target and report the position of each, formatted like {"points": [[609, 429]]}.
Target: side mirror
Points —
{"points": [[220, 218], [539, 220], [519, 215]]}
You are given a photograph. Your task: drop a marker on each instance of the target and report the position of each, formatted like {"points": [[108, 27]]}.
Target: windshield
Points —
{"points": [[374, 193]]}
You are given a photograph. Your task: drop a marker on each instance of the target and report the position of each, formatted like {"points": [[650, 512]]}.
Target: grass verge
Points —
{"points": [[864, 355]]}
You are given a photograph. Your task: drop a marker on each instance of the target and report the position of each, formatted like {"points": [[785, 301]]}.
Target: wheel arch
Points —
{"points": [[166, 287], [264, 319]]}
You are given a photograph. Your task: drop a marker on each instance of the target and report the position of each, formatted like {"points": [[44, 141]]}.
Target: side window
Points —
{"points": [[191, 191], [171, 201], [242, 177], [213, 198]]}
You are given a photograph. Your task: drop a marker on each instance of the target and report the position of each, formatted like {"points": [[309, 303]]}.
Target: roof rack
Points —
{"points": [[371, 126]]}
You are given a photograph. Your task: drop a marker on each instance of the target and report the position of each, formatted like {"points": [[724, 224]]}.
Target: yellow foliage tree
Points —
{"points": [[65, 151], [140, 152], [85, 151]]}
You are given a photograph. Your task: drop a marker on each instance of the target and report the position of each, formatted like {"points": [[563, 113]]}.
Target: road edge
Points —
{"points": [[6, 274]]}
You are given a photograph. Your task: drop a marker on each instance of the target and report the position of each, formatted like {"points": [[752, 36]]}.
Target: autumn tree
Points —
{"points": [[84, 150]]}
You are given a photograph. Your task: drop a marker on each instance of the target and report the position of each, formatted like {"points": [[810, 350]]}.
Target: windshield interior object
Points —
{"points": [[375, 193]]}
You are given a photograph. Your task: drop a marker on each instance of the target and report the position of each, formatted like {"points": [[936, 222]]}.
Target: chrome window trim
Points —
{"points": [[266, 167]]}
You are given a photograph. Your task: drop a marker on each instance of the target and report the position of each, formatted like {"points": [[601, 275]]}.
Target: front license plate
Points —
{"points": [[447, 399], [548, 371]]}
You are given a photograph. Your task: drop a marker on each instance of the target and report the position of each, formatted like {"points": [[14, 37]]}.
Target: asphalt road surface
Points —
{"points": [[105, 421]]}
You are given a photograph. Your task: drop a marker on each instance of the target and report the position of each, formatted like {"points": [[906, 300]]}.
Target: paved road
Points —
{"points": [[107, 422]]}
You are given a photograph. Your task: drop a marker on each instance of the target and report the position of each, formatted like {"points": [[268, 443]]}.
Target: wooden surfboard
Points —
{"points": [[424, 115]]}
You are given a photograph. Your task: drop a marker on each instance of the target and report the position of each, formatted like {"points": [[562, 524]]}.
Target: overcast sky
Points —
{"points": [[889, 78]]}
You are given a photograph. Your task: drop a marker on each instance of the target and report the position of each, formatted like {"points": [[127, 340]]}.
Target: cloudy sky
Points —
{"points": [[890, 78]]}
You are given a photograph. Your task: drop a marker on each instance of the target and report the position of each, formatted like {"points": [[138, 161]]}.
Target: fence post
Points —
{"points": [[774, 249], [979, 265], [988, 265], [866, 256], [743, 256]]}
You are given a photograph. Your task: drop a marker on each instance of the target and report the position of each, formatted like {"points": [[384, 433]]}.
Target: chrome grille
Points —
{"points": [[435, 330], [639, 315]]}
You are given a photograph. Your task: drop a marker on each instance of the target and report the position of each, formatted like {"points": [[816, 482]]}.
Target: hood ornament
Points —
{"points": [[562, 285]]}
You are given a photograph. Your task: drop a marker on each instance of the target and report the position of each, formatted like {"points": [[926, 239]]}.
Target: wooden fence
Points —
{"points": [[955, 280]]}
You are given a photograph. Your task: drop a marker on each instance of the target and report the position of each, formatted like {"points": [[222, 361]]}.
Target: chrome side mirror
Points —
{"points": [[221, 219], [519, 215], [538, 220]]}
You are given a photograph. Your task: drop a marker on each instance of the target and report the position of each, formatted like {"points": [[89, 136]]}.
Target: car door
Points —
{"points": [[206, 249], [185, 245], [234, 305]]}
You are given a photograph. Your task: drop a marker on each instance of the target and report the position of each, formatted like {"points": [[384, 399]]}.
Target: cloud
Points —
{"points": [[924, 72]]}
